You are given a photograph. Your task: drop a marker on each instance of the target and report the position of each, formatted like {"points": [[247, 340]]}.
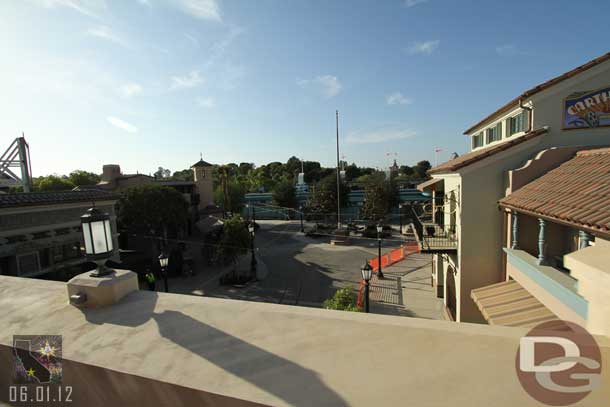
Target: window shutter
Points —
{"points": [[499, 131]]}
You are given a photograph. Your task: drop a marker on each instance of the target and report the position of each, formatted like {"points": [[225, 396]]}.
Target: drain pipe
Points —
{"points": [[529, 116]]}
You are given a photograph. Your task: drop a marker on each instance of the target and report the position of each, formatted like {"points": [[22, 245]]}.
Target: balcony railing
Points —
{"points": [[436, 238]]}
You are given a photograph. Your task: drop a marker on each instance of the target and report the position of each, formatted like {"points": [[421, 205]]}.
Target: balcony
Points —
{"points": [[553, 287], [155, 348]]}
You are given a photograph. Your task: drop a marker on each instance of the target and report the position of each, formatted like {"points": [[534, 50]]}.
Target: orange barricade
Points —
{"points": [[394, 256]]}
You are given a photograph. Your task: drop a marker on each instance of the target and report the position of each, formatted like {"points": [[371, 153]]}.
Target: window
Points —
{"points": [[494, 133], [477, 140], [518, 123]]}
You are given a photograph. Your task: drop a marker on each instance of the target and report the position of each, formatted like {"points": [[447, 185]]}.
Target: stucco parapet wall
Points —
{"points": [[274, 354]]}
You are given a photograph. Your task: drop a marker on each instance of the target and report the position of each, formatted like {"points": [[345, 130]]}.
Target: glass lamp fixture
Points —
{"points": [[97, 235], [379, 228], [163, 260], [367, 272]]}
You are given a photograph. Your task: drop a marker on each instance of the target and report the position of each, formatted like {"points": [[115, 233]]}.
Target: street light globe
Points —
{"points": [[379, 228], [367, 272], [163, 260], [251, 227]]}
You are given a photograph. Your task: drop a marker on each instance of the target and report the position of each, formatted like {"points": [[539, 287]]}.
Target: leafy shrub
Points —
{"points": [[343, 300]]}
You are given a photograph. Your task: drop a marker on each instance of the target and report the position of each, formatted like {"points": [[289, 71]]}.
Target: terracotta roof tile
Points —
{"points": [[577, 192], [478, 155], [49, 198]]}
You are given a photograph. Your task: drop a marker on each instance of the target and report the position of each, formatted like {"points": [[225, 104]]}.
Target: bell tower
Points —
{"points": [[202, 172]]}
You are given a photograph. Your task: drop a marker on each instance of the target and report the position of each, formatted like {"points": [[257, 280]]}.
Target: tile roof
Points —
{"points": [[478, 155], [49, 198], [201, 163], [539, 88], [576, 193]]}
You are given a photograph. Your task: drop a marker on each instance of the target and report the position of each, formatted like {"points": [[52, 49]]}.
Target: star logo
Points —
{"points": [[31, 372]]}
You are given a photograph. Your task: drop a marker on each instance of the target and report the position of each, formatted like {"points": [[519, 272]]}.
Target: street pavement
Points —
{"points": [[299, 270]]}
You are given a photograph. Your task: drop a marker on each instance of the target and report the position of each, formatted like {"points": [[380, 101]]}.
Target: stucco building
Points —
{"points": [[465, 228]]}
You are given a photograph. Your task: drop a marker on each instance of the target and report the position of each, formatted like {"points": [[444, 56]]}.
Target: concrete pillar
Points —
{"points": [[515, 230]]}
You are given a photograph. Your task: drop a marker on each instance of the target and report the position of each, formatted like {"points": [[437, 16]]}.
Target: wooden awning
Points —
{"points": [[509, 304]]}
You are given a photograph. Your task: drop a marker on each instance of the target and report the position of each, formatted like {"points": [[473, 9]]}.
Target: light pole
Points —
{"points": [[253, 258], [97, 235], [301, 212], [163, 261], [400, 216], [367, 273], [379, 231]]}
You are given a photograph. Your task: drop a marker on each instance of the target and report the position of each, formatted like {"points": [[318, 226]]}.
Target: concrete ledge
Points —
{"points": [[103, 291], [266, 353]]}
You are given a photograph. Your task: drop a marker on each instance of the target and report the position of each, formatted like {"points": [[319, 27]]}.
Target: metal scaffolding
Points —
{"points": [[16, 155]]}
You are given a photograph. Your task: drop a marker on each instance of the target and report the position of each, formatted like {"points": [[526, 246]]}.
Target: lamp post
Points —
{"points": [[97, 236], [367, 273], [301, 213], [400, 216], [379, 231], [253, 258], [163, 261]]}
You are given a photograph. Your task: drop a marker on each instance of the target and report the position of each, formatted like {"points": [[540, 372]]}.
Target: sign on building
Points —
{"points": [[587, 109]]}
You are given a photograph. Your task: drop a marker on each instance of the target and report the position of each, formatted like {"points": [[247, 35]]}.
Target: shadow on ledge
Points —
{"points": [[273, 374]]}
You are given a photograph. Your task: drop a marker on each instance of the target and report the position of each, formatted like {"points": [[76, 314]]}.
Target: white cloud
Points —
{"points": [[130, 89], [426, 47], [116, 122], [412, 3], [192, 39], [208, 102], [202, 9], [328, 85], [191, 80], [380, 135], [91, 8], [507, 50], [106, 33], [397, 98]]}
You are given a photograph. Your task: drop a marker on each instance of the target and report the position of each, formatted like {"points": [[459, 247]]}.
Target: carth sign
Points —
{"points": [[587, 109]]}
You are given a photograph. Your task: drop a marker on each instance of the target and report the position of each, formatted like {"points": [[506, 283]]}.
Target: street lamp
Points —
{"points": [[400, 216], [379, 231], [367, 273], [97, 236], [163, 262], [253, 258], [301, 213]]}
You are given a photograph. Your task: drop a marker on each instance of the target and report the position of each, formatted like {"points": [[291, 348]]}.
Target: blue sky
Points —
{"points": [[148, 83]]}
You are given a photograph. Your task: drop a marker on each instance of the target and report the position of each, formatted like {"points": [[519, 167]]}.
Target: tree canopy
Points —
{"points": [[83, 178], [284, 195], [324, 197], [52, 183], [152, 209]]}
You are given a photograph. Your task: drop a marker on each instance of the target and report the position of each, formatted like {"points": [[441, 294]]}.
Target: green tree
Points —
{"points": [[184, 175], [324, 198], [421, 169], [82, 178], [234, 197], [152, 209], [52, 183], [343, 300], [379, 197], [162, 173], [284, 195], [406, 170], [235, 240]]}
